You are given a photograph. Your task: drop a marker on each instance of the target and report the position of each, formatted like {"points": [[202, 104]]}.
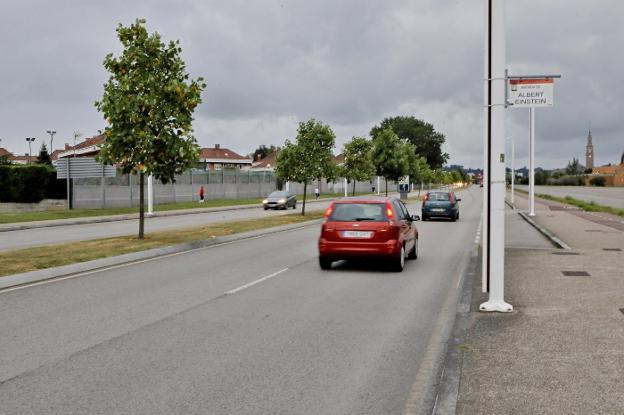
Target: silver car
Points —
{"points": [[280, 199]]}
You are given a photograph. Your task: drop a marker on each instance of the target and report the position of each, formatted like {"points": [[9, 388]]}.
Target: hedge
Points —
{"points": [[29, 184]]}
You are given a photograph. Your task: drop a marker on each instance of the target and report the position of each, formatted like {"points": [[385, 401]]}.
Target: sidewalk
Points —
{"points": [[561, 350]]}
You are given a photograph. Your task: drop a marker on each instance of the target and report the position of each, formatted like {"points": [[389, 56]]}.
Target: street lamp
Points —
{"points": [[30, 140], [51, 132]]}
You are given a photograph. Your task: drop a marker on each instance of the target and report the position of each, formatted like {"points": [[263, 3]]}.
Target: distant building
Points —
{"points": [[266, 163], [589, 152], [217, 158]]}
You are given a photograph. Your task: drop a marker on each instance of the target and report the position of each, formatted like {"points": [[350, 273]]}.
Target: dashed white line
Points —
{"points": [[258, 281]]}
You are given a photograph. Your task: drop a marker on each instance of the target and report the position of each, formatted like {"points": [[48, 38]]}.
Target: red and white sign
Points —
{"points": [[526, 93]]}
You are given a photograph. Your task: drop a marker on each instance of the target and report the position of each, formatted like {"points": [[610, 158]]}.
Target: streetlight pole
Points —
{"points": [[532, 163], [30, 140], [513, 171], [51, 132]]}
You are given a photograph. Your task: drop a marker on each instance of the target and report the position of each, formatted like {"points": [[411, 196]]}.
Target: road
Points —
{"points": [[608, 196], [192, 334], [70, 233]]}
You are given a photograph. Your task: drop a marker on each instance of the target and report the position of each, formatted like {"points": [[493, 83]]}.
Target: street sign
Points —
{"points": [[404, 185], [82, 167], [530, 93]]}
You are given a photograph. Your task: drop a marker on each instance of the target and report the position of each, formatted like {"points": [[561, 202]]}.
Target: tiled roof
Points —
{"points": [[221, 154], [339, 159], [23, 158], [4, 152], [89, 142], [267, 162]]}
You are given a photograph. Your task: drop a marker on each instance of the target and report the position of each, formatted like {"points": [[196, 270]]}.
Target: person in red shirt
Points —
{"points": [[201, 194]]}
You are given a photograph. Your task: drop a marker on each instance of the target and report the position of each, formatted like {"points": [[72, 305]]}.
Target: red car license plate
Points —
{"points": [[357, 234]]}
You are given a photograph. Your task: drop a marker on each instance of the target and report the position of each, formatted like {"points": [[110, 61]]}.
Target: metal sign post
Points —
{"points": [[494, 168], [531, 91]]}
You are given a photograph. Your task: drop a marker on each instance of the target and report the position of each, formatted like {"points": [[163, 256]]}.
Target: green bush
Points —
{"points": [[598, 181], [25, 184], [566, 181]]}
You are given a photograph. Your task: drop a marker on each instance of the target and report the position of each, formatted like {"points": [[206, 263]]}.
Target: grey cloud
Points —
{"points": [[268, 64]]}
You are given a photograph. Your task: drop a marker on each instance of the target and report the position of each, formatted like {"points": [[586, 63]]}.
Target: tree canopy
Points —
{"points": [[148, 103], [358, 164], [389, 156], [426, 140], [309, 157], [44, 156]]}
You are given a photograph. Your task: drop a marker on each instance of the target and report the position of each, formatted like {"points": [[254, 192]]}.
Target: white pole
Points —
{"points": [[377, 185], [513, 171], [288, 186], [150, 195], [532, 163], [494, 220], [345, 186]]}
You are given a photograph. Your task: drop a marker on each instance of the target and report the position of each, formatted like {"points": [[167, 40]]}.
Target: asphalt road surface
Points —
{"points": [[608, 196], [250, 327], [70, 233]]}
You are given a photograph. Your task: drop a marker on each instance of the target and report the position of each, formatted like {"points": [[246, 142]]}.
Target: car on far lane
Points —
{"points": [[280, 199], [368, 227], [440, 204]]}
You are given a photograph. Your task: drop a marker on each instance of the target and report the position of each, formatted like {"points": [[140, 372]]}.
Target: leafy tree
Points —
{"points": [[358, 164], [573, 168], [148, 103], [309, 157], [262, 151], [389, 156], [44, 157], [427, 141]]}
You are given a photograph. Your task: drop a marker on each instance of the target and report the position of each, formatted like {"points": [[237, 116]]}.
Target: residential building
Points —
{"points": [[267, 163], [217, 158]]}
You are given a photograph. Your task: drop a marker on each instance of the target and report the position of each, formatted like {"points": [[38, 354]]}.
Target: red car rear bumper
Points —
{"points": [[358, 249]]}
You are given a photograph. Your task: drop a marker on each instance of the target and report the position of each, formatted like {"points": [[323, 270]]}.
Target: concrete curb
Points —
{"points": [[552, 238], [448, 386], [102, 263], [132, 216]]}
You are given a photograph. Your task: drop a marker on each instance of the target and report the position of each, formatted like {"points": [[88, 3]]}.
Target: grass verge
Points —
{"points": [[42, 257], [590, 206]]}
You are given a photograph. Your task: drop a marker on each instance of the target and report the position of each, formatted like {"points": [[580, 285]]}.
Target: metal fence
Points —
{"points": [[123, 190]]}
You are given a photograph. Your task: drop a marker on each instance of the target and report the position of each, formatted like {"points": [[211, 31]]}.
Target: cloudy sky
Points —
{"points": [[350, 63]]}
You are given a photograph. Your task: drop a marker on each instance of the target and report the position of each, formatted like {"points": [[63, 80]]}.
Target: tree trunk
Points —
{"points": [[386, 186], [141, 204], [353, 193], [305, 186]]}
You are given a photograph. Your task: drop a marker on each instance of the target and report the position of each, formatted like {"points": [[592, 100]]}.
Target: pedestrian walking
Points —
{"points": [[317, 193], [201, 194]]}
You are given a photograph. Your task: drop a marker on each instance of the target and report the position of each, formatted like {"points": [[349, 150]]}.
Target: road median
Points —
{"points": [[25, 266]]}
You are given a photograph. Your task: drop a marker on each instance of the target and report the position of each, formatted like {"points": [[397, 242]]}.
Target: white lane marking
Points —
{"points": [[128, 264], [258, 281]]}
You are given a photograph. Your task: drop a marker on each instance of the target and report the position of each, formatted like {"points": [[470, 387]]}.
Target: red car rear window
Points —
{"points": [[356, 212]]}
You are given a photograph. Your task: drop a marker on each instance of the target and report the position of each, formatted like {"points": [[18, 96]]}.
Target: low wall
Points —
{"points": [[45, 204]]}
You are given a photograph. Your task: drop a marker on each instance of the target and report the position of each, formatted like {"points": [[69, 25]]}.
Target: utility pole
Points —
{"points": [[51, 132], [494, 163]]}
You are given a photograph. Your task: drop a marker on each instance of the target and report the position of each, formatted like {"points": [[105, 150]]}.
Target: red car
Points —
{"points": [[368, 227]]}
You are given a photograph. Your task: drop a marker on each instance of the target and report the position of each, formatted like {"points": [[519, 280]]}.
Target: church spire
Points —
{"points": [[589, 152]]}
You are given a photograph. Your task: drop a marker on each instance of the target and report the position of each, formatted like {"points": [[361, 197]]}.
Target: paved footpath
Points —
{"points": [[560, 351]]}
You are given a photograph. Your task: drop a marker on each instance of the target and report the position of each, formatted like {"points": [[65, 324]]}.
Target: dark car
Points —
{"points": [[368, 227], [440, 205], [280, 199]]}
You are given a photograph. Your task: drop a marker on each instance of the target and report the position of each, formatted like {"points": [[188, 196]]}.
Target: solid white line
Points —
{"points": [[258, 281]]}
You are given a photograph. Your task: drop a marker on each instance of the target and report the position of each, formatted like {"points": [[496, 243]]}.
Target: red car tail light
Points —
{"points": [[389, 211], [328, 212]]}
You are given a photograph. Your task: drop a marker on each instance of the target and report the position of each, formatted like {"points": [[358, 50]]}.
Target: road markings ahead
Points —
{"points": [[258, 281]]}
